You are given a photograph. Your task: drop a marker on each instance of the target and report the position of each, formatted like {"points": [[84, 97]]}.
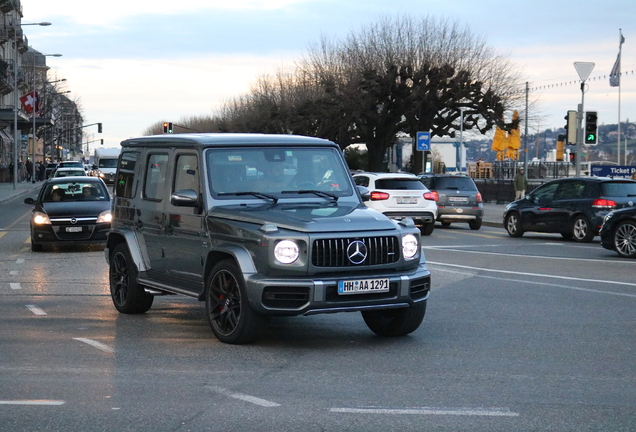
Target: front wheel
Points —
{"points": [[229, 313], [581, 230], [128, 297], [427, 229], [513, 225], [395, 322], [475, 224], [625, 239]]}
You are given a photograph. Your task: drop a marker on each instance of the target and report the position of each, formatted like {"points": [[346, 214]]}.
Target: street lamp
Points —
{"points": [[33, 111], [15, 100]]}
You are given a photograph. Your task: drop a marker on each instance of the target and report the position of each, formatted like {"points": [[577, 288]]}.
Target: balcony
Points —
{"points": [[11, 5], [6, 86]]}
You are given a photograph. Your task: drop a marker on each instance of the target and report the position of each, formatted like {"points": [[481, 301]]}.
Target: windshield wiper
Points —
{"points": [[256, 194], [315, 192]]}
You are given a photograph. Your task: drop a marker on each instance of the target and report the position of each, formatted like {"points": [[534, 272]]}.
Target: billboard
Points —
{"points": [[615, 171]]}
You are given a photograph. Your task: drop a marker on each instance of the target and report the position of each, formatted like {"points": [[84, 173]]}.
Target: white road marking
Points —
{"points": [[492, 412], [551, 258], [15, 285], [96, 344], [32, 402], [14, 273], [20, 261], [36, 310], [243, 397], [541, 275]]}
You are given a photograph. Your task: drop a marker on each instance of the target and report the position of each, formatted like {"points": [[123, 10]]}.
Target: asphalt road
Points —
{"points": [[526, 334]]}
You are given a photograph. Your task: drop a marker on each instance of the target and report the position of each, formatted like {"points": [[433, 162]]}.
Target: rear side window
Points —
{"points": [[456, 183], [156, 171], [617, 189], [399, 184]]}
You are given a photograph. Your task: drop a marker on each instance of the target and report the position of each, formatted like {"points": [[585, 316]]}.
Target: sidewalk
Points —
{"points": [[7, 191], [493, 215]]}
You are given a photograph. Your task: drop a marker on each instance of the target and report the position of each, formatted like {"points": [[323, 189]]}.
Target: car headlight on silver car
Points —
{"points": [[286, 251], [410, 246], [105, 217]]}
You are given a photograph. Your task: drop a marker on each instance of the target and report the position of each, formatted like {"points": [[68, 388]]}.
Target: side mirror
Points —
{"points": [[30, 201], [185, 198], [365, 193]]}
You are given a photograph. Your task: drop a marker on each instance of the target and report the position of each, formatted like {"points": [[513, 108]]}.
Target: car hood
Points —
{"points": [[74, 208], [308, 217]]}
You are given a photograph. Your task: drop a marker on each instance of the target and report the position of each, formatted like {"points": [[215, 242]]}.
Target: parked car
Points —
{"points": [[255, 226], [400, 196], [50, 169], [573, 207], [69, 172], [457, 197], [70, 210], [618, 232]]}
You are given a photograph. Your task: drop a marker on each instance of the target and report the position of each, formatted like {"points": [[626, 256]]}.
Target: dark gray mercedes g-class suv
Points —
{"points": [[255, 226]]}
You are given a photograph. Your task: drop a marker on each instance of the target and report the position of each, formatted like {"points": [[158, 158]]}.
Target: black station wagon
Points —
{"points": [[255, 226], [573, 207]]}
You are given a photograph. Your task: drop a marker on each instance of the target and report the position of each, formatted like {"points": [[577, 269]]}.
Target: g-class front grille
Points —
{"points": [[355, 251]]}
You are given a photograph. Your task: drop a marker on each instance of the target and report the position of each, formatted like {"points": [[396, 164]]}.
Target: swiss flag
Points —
{"points": [[30, 102]]}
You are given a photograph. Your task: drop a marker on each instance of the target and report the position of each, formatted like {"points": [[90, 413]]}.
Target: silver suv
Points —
{"points": [[256, 226]]}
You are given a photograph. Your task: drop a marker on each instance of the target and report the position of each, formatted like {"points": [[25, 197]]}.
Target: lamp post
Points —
{"points": [[15, 101], [33, 112]]}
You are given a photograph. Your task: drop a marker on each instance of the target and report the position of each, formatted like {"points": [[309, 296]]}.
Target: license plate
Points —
{"points": [[458, 199], [406, 200], [363, 286], [73, 229]]}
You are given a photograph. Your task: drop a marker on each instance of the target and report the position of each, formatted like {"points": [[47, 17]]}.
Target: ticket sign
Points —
{"points": [[423, 141]]}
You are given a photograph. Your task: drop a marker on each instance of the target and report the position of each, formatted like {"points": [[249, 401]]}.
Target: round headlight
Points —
{"points": [[409, 246], [286, 251], [105, 217]]}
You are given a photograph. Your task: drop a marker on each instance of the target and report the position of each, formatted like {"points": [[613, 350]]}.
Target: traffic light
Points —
{"points": [[572, 157], [170, 127], [102, 142], [165, 127], [570, 127], [591, 136], [99, 128]]}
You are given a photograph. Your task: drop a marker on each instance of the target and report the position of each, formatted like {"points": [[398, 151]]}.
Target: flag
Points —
{"points": [[615, 74], [30, 102]]}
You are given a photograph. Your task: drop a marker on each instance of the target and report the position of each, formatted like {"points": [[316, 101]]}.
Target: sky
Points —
{"points": [[133, 63]]}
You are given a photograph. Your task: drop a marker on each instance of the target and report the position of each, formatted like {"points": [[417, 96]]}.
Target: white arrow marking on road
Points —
{"points": [[36, 310], [243, 397], [96, 344], [492, 412]]}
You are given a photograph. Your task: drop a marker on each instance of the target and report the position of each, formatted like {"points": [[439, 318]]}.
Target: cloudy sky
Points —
{"points": [[132, 63]]}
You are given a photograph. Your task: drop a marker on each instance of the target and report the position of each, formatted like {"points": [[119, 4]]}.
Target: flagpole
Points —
{"points": [[620, 48]]}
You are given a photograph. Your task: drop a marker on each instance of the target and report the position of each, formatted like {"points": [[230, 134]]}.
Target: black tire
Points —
{"points": [[567, 235], [624, 239], [128, 297], [446, 224], [395, 322], [513, 225], [582, 230], [475, 224], [36, 247], [229, 313], [427, 229]]}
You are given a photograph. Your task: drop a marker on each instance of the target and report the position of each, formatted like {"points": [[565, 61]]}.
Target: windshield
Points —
{"points": [[279, 172], [75, 191], [108, 163]]}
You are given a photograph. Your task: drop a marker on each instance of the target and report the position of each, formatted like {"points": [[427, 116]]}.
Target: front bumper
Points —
{"points": [[57, 234], [312, 295]]}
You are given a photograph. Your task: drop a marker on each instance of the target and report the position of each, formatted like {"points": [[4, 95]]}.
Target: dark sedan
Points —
{"points": [[619, 232], [573, 207], [70, 210]]}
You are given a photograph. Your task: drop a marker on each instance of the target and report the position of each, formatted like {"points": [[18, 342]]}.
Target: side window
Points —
{"points": [[570, 190], [125, 184], [361, 181], [156, 170], [186, 175], [545, 193]]}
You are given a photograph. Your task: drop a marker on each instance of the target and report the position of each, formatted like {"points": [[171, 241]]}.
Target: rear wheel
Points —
{"points": [[395, 322], [427, 229], [475, 224], [446, 224], [625, 239], [513, 225], [128, 297], [582, 230], [228, 310]]}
